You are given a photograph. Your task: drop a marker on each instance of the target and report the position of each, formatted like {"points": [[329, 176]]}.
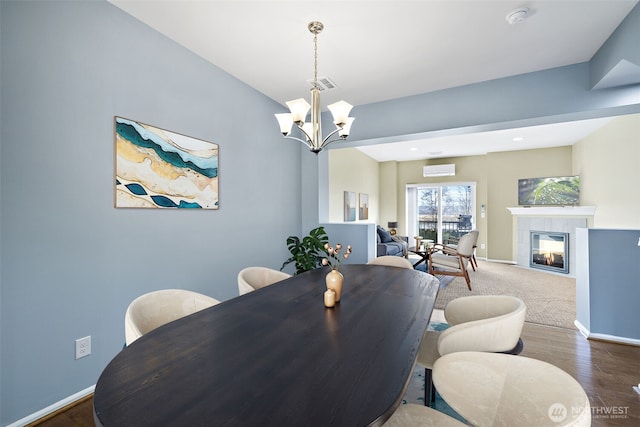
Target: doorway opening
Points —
{"points": [[440, 211]]}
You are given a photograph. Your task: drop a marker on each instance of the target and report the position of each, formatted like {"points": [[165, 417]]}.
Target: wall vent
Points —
{"points": [[439, 170]]}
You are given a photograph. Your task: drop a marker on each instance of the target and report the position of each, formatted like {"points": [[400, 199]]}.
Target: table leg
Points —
{"points": [[424, 257]]}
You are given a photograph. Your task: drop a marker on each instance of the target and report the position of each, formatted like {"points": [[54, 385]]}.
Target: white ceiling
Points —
{"points": [[380, 50], [473, 144]]}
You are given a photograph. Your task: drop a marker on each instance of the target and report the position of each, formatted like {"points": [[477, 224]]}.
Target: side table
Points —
{"points": [[424, 257]]}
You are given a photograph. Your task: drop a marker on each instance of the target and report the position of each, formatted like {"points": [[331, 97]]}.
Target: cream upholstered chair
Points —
{"points": [[412, 415], [452, 261], [252, 278], [498, 390], [474, 261], [392, 261], [488, 323], [453, 242], [154, 309]]}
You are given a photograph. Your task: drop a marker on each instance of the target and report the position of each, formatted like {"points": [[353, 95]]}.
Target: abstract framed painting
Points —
{"points": [[363, 212], [157, 168], [349, 206]]}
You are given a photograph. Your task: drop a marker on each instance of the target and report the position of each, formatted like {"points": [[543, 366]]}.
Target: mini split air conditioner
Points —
{"points": [[439, 170]]}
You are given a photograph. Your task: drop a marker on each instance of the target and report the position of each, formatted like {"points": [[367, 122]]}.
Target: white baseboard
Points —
{"points": [[616, 339], [584, 331], [501, 261], [52, 408], [605, 337]]}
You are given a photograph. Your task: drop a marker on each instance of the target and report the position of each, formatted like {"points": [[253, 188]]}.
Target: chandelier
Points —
{"points": [[311, 132]]}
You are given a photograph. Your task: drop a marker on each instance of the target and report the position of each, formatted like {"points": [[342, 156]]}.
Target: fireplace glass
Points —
{"points": [[550, 251]]}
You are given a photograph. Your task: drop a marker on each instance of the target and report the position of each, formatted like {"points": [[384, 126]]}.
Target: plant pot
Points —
{"points": [[334, 281]]}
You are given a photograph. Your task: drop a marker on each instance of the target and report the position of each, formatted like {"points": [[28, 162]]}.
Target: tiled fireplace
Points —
{"points": [[556, 226], [549, 251]]}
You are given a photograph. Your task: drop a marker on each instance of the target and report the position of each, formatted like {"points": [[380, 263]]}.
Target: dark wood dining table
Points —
{"points": [[277, 356]]}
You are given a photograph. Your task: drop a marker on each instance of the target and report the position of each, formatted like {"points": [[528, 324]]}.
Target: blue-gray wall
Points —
{"points": [[607, 291], [71, 262]]}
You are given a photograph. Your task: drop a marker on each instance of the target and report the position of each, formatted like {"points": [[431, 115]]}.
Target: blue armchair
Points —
{"points": [[390, 245]]}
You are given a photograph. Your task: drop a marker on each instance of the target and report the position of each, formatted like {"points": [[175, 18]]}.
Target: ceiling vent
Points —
{"points": [[324, 83], [439, 170]]}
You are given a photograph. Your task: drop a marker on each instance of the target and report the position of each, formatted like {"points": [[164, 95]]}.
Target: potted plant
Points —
{"points": [[307, 254]]}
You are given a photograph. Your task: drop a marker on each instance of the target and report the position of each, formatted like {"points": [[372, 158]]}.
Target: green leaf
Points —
{"points": [[307, 253]]}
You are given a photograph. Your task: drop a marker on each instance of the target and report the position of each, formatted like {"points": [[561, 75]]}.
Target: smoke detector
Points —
{"points": [[517, 16]]}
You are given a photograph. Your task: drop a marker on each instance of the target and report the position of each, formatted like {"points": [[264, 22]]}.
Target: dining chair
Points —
{"points": [[154, 309], [392, 261], [412, 415], [498, 390], [452, 261], [252, 278], [487, 323]]}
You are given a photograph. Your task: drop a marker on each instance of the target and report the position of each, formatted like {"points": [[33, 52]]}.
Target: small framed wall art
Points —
{"points": [[349, 206], [363, 211], [157, 168]]}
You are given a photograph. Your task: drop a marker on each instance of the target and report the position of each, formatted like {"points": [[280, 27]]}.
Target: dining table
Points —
{"points": [[277, 356]]}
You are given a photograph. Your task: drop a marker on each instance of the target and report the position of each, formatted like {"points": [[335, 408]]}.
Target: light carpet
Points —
{"points": [[550, 298]]}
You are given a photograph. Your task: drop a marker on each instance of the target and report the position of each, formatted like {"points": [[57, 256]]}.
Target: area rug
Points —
{"points": [[444, 280], [415, 389], [550, 298]]}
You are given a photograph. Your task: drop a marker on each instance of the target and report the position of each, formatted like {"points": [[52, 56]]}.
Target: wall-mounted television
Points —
{"points": [[550, 191]]}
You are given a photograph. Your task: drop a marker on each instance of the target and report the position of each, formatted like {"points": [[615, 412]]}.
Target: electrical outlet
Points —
{"points": [[482, 246], [83, 347]]}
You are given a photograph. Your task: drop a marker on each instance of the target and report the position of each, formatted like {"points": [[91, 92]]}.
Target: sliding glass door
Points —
{"points": [[440, 211]]}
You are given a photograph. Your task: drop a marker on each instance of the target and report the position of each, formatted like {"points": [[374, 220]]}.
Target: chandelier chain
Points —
{"points": [[315, 60]]}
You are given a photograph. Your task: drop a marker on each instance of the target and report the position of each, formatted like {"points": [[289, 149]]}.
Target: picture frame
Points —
{"points": [[363, 206], [158, 168], [349, 206]]}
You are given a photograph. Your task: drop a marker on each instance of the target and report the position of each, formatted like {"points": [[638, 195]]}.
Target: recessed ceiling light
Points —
{"points": [[518, 138], [413, 149]]}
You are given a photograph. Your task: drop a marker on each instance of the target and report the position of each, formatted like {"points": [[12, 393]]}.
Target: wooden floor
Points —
{"points": [[79, 414], [605, 370]]}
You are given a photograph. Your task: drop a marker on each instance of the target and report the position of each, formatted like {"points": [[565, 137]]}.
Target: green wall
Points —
{"points": [[504, 170], [608, 162], [389, 196], [351, 170]]}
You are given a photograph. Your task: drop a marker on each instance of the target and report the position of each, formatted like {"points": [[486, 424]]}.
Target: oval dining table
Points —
{"points": [[277, 356]]}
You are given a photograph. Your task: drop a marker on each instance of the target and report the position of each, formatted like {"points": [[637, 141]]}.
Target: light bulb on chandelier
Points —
{"points": [[312, 131]]}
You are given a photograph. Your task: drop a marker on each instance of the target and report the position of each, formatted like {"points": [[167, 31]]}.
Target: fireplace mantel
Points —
{"points": [[575, 211]]}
